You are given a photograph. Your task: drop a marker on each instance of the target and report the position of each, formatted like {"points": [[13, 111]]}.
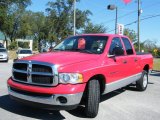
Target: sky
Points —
{"points": [[127, 13]]}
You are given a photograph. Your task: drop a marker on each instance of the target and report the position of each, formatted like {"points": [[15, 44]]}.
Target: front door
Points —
{"points": [[115, 65]]}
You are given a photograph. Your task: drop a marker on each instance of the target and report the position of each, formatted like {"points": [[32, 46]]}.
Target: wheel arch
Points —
{"points": [[102, 81], [146, 68]]}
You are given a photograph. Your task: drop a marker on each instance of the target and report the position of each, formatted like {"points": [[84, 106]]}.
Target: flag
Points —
{"points": [[127, 1]]}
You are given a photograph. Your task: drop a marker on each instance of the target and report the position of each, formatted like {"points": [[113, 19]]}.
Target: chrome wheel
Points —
{"points": [[142, 83], [145, 81]]}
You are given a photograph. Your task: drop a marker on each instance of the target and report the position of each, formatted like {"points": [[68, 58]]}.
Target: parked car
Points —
{"points": [[21, 53], [46, 46], [1, 45], [3, 55], [81, 68]]}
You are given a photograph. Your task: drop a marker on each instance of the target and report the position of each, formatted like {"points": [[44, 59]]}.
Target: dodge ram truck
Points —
{"points": [[80, 68]]}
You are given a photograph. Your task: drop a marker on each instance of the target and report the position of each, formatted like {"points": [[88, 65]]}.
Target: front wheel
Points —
{"points": [[142, 83], [92, 98]]}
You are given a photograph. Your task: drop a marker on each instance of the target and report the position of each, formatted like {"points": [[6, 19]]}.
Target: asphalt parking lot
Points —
{"points": [[124, 104]]}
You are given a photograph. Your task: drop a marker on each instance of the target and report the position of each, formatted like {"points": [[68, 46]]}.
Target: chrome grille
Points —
{"points": [[41, 68], [42, 79], [20, 66], [20, 77], [36, 73]]}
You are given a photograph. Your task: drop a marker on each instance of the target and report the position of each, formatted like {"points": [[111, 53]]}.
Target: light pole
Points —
{"points": [[138, 27], [113, 7], [74, 26]]}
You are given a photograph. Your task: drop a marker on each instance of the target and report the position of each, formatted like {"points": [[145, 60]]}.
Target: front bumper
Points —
{"points": [[52, 100], [3, 59], [44, 106], [49, 99]]}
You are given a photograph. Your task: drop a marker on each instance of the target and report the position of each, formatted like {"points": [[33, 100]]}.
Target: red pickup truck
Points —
{"points": [[80, 68]]}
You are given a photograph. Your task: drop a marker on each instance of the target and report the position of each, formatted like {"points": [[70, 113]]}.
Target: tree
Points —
{"points": [[131, 34], [32, 24], [60, 17], [25, 28], [11, 10], [147, 45], [91, 28]]}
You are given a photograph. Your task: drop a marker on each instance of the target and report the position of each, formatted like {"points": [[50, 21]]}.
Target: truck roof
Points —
{"points": [[101, 34]]}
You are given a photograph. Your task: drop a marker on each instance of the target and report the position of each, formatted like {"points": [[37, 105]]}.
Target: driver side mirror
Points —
{"points": [[117, 51]]}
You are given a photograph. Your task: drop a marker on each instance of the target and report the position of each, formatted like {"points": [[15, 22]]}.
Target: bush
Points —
{"points": [[156, 52], [13, 46], [23, 44], [35, 45]]}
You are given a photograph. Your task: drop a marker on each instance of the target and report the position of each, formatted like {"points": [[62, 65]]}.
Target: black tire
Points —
{"points": [[92, 98], [142, 83]]}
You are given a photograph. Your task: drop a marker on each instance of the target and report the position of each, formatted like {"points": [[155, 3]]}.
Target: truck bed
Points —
{"points": [[141, 53]]}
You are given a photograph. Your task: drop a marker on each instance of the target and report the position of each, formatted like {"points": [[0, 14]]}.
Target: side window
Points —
{"points": [[128, 46], [116, 47]]}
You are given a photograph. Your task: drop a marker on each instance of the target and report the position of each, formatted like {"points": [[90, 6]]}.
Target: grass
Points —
{"points": [[156, 64]]}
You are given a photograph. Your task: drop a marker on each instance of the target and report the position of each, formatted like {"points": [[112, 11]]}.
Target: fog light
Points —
{"points": [[62, 100]]}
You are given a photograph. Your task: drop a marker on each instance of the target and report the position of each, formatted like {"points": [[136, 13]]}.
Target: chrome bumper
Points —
{"points": [[72, 99], [3, 59]]}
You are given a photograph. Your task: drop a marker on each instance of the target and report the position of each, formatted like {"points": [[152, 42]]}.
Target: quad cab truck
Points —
{"points": [[81, 68]]}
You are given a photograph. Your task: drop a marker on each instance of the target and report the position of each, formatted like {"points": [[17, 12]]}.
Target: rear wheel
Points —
{"points": [[142, 83], [92, 98]]}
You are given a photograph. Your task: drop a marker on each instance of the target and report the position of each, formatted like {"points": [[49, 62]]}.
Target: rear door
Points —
{"points": [[131, 58]]}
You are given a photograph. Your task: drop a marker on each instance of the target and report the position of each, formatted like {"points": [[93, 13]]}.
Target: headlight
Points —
{"points": [[72, 78], [4, 56]]}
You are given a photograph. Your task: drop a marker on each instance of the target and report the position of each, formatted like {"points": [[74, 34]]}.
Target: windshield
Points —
{"points": [[2, 50], [87, 44], [25, 52]]}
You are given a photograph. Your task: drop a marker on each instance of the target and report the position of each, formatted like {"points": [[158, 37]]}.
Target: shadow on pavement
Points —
{"points": [[132, 87], [7, 104], [80, 111], [112, 94], [155, 74]]}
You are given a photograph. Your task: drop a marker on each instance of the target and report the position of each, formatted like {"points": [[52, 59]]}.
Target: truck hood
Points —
{"points": [[62, 58]]}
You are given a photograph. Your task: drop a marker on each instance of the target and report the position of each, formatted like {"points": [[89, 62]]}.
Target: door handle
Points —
{"points": [[125, 61]]}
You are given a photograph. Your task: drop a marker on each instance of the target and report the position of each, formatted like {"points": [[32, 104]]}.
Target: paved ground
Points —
{"points": [[119, 105]]}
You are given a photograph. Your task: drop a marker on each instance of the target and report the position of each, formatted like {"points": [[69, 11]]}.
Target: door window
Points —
{"points": [[128, 46], [116, 47]]}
